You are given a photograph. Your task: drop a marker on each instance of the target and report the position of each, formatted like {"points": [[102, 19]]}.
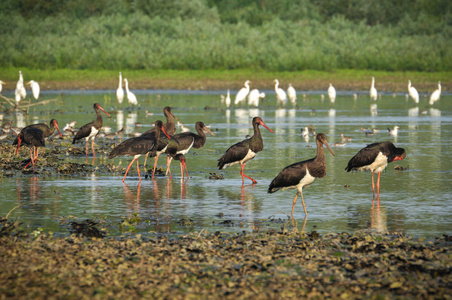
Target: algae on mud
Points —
{"points": [[258, 265]]}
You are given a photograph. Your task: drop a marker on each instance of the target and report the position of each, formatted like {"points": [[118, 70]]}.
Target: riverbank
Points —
{"points": [[347, 80], [263, 265]]}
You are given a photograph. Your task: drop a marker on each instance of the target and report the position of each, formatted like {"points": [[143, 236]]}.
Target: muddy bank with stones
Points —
{"points": [[273, 264]]}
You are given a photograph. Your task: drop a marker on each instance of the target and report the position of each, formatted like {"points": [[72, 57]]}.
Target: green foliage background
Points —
{"points": [[273, 35]]}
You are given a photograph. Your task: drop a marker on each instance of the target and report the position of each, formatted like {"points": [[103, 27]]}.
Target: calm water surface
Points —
{"points": [[417, 201]]}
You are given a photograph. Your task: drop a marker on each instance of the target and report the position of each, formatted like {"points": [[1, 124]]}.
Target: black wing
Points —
{"points": [[290, 176]]}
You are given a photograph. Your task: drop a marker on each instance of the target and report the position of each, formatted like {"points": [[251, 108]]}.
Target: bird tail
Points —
{"points": [[221, 164], [272, 189]]}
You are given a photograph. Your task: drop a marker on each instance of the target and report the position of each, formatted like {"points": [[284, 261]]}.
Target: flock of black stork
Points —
{"points": [[162, 139]]}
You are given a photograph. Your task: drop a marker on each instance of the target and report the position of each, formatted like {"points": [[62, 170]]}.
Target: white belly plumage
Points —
{"points": [[379, 164], [304, 182], [93, 133], [249, 156], [185, 151]]}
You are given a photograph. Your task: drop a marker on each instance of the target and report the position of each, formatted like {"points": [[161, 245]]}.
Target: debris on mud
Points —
{"points": [[229, 265], [216, 176], [86, 228]]}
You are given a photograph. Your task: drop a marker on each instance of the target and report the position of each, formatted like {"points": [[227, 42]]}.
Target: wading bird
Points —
{"points": [[243, 92], [245, 150], [90, 130], [302, 174], [130, 96], [436, 94], [375, 157], [254, 97], [170, 128], [186, 140], [292, 94], [413, 92], [120, 91], [35, 89], [373, 90], [20, 92], [281, 97], [138, 146], [33, 138], [332, 93], [1, 86]]}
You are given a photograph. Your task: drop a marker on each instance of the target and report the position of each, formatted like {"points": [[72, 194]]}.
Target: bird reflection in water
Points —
{"points": [[132, 199], [378, 219]]}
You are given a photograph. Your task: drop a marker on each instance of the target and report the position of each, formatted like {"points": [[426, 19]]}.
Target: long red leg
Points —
{"points": [[155, 165], [168, 164], [243, 180], [185, 165], [92, 148], [145, 160], [127, 171], [138, 169], [293, 205], [18, 144], [378, 190]]}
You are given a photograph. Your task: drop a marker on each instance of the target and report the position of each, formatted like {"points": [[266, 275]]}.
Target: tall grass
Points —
{"points": [[139, 41]]}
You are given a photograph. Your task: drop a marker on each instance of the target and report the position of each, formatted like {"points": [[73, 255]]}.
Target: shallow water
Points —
{"points": [[416, 201]]}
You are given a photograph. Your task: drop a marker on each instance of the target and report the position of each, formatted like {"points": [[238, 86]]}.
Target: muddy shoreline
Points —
{"points": [[273, 264]]}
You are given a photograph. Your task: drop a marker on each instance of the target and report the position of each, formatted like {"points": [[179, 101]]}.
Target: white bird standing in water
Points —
{"points": [[120, 91], [35, 89], [20, 92], [332, 93], [413, 92], [373, 90], [1, 86], [281, 96], [292, 94], [436, 94], [241, 95], [254, 97], [130, 96], [227, 101]]}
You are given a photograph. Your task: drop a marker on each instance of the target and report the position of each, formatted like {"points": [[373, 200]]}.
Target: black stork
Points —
{"points": [[184, 142], [46, 130], [170, 128], [375, 157], [245, 150], [32, 137], [302, 174], [138, 146], [90, 130]]}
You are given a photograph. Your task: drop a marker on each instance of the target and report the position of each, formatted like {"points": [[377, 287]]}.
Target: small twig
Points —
{"points": [[12, 210]]}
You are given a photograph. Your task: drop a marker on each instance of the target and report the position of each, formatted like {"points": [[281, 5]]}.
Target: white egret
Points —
{"points": [[227, 101], [281, 96], [413, 92], [373, 90], [20, 92], [1, 85], [332, 93], [254, 97], [35, 89], [241, 95], [120, 91], [130, 96], [292, 94], [436, 94]]}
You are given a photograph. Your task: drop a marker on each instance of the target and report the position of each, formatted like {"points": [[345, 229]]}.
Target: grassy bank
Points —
{"points": [[266, 265], [227, 79]]}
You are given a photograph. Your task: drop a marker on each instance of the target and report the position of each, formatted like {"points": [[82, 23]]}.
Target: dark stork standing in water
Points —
{"points": [[302, 174], [375, 157], [138, 146], [46, 130], [32, 137], [170, 128], [90, 130], [184, 141], [245, 150]]}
